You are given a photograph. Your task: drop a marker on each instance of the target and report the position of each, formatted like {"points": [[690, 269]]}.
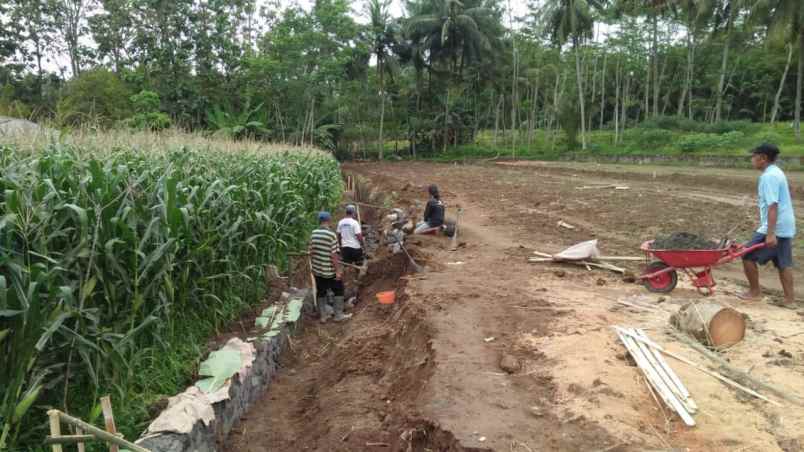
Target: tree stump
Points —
{"points": [[710, 323]]}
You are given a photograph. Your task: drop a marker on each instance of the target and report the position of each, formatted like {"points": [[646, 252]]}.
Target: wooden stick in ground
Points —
{"points": [[686, 361], [108, 418], [81, 446], [55, 429], [100, 434]]}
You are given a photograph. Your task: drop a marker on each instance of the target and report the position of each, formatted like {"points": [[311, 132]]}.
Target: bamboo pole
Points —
{"points": [[720, 377], [108, 417], [69, 439], [55, 428], [98, 433]]}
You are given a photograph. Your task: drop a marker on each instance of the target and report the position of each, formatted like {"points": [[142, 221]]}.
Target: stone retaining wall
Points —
{"points": [[199, 422]]}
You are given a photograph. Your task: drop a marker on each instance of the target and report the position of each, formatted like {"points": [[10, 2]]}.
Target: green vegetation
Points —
{"points": [[352, 76], [645, 140], [121, 254]]}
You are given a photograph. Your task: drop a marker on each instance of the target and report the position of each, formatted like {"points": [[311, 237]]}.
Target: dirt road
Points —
{"points": [[426, 373]]}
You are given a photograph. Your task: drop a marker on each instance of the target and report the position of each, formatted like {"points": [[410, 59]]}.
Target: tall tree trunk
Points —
{"points": [[721, 86], [446, 123], [687, 92], [617, 104], [381, 70], [655, 63], [580, 92], [603, 91], [690, 72], [626, 101], [777, 99], [799, 82], [514, 118]]}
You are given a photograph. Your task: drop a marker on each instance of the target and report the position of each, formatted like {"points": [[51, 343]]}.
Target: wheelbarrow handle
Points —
{"points": [[740, 252]]}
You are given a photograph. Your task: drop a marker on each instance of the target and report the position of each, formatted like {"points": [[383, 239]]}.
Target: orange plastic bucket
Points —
{"points": [[386, 297]]}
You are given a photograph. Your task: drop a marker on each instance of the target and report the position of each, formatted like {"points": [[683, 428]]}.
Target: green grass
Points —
{"points": [[646, 140], [121, 254]]}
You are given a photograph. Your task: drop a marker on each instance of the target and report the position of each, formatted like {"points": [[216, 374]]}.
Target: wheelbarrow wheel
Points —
{"points": [[663, 283]]}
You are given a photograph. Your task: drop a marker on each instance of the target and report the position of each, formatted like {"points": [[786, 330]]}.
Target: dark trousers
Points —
{"points": [[352, 255], [323, 285]]}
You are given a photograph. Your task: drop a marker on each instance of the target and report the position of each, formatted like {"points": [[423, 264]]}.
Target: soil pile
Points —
{"points": [[683, 241]]}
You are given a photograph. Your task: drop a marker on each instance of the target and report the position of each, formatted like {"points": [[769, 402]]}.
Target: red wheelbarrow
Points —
{"points": [[662, 276]]}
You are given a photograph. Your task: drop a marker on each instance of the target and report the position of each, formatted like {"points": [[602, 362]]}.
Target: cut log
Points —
{"points": [[710, 323]]}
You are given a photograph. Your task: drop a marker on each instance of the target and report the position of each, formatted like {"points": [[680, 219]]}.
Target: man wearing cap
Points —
{"points": [[326, 268], [350, 237], [777, 225]]}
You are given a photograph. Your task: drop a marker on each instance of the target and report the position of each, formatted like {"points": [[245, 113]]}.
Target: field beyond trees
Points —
{"points": [[122, 254]]}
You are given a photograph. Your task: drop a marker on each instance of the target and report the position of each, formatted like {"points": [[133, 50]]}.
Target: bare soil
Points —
{"points": [[485, 351]]}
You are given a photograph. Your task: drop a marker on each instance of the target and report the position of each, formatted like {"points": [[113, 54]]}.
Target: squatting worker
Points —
{"points": [[327, 269], [433, 213], [350, 238], [777, 225]]}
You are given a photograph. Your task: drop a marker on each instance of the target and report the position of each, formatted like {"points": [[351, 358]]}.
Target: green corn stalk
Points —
{"points": [[115, 265]]}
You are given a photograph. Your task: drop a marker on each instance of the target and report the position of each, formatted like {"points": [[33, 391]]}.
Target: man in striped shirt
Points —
{"points": [[327, 269]]}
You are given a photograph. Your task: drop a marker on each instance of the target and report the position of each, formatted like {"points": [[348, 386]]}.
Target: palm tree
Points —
{"points": [[382, 39], [449, 34], [786, 18], [572, 20]]}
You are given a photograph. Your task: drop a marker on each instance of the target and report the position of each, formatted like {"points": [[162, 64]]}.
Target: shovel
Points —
{"points": [[416, 267], [454, 245]]}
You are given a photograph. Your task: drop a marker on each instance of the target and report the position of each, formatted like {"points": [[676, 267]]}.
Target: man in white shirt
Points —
{"points": [[350, 237]]}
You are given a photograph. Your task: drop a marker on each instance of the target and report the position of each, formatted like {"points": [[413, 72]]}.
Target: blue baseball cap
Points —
{"points": [[324, 216]]}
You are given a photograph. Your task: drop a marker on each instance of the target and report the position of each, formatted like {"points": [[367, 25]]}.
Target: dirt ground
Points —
{"points": [[425, 373]]}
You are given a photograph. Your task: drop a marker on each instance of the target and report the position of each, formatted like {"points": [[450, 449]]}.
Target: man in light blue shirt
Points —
{"points": [[777, 225]]}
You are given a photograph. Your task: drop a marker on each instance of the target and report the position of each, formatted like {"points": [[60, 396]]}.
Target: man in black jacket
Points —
{"points": [[433, 213]]}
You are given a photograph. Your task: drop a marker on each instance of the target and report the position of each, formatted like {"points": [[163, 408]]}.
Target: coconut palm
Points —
{"points": [[448, 35], [571, 20], [785, 18], [383, 37]]}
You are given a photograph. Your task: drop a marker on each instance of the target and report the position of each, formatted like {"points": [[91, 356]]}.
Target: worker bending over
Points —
{"points": [[326, 267], [350, 238], [433, 213], [777, 226]]}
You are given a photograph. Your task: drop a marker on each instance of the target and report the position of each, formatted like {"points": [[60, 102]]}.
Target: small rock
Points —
{"points": [[785, 353], [661, 300], [560, 273], [510, 364], [601, 282], [536, 411], [482, 439], [629, 277]]}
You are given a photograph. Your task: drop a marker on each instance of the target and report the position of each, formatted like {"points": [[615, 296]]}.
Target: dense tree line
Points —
{"points": [[349, 76]]}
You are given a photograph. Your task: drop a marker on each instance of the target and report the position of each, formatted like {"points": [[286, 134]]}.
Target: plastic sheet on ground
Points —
{"points": [[579, 252]]}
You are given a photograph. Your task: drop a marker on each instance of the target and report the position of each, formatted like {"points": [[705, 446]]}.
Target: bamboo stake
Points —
{"points": [[700, 368], [108, 417], [100, 434], [55, 429], [81, 446]]}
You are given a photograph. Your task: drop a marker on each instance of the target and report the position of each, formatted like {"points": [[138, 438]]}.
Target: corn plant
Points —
{"points": [[114, 267]]}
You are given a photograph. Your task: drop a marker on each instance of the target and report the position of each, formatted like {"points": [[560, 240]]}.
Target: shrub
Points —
{"points": [[570, 122], [148, 116], [701, 141], [649, 138], [96, 97]]}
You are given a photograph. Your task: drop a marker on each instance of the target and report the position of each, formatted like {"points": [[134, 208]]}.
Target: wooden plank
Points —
{"points": [[667, 375], [81, 446], [713, 374], [108, 417], [655, 380], [55, 429], [660, 359], [620, 258]]}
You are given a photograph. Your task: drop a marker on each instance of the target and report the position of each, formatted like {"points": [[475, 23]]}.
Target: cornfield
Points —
{"points": [[116, 264]]}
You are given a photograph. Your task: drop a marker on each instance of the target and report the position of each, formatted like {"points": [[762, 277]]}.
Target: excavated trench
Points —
{"points": [[354, 385]]}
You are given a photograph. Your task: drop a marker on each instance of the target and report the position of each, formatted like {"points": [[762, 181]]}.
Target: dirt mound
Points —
{"points": [[683, 241]]}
